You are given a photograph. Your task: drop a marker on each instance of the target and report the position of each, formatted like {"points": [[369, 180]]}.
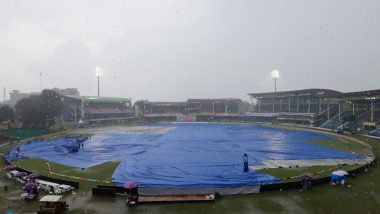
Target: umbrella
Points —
{"points": [[30, 187], [306, 178], [340, 173], [20, 174], [9, 168], [32, 176], [130, 185]]}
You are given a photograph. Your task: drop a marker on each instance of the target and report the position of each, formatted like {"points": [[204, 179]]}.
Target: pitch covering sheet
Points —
{"points": [[190, 155]]}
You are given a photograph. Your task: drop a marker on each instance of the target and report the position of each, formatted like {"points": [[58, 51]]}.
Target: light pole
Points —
{"points": [[275, 76], [99, 73]]}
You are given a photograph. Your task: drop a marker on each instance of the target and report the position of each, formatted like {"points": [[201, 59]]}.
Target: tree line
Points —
{"points": [[35, 111]]}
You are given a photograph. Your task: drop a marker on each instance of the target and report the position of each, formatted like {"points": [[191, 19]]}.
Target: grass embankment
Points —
{"points": [[102, 171]]}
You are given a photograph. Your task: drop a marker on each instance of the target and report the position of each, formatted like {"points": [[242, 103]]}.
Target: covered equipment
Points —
{"points": [[338, 177]]}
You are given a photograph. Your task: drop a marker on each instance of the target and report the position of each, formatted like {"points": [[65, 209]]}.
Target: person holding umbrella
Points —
{"points": [[9, 168], [31, 191], [132, 189], [32, 177], [306, 181]]}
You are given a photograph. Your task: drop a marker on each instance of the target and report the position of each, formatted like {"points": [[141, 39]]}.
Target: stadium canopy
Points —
{"points": [[305, 92], [373, 94], [213, 99], [327, 93], [95, 99], [163, 103]]}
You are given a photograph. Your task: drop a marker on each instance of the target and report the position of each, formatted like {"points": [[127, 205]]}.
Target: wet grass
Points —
{"points": [[102, 171], [269, 206], [289, 172], [346, 145]]}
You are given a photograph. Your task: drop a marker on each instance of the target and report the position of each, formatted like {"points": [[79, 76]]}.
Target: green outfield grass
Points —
{"points": [[346, 145], [288, 172], [102, 171]]}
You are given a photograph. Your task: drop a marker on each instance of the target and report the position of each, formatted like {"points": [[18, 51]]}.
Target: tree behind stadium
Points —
{"points": [[39, 110], [6, 113], [52, 105]]}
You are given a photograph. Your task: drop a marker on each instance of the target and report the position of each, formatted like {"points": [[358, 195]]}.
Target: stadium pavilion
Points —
{"points": [[92, 109], [320, 107], [191, 110]]}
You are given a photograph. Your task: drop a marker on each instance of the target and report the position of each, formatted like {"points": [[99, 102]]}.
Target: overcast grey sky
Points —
{"points": [[173, 50]]}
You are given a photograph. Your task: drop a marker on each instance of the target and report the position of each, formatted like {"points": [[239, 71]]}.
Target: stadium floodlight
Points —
{"points": [[99, 73], [275, 76]]}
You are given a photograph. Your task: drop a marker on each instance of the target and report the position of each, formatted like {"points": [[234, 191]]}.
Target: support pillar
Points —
{"points": [[75, 115], [298, 104], [339, 110], [259, 101], [371, 111], [328, 111], [289, 104], [251, 104], [308, 105], [82, 108]]}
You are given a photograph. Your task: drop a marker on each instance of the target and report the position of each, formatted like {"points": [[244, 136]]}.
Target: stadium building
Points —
{"points": [[159, 110], [16, 95], [355, 111], [191, 110], [89, 110], [67, 91]]}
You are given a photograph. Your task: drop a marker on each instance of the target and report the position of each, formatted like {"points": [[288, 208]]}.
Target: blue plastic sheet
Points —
{"points": [[211, 155], [191, 155], [98, 149]]}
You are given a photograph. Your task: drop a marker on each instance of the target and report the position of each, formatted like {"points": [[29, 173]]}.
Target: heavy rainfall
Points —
{"points": [[212, 106]]}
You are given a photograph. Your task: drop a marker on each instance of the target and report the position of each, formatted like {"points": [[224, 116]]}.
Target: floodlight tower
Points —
{"points": [[99, 73], [275, 76]]}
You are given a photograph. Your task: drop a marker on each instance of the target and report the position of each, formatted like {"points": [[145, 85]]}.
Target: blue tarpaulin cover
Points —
{"points": [[191, 155]]}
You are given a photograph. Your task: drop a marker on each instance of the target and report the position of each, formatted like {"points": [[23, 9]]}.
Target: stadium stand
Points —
{"points": [[96, 110], [202, 109], [159, 110], [323, 108]]}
